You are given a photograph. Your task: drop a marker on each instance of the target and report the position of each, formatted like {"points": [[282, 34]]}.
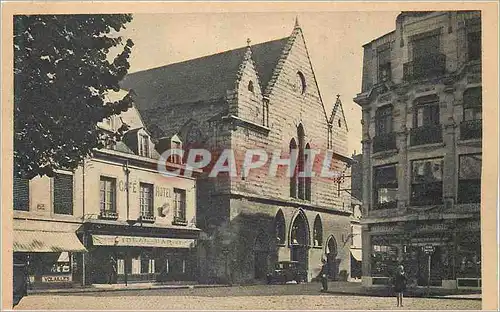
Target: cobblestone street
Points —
{"points": [[262, 297]]}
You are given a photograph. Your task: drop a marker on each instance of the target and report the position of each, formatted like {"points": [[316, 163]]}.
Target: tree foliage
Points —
{"points": [[63, 70]]}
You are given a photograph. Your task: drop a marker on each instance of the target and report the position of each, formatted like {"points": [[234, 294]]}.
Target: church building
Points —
{"points": [[261, 96]]}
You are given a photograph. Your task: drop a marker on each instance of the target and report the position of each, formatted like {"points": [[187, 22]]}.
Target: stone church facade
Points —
{"points": [[261, 96]]}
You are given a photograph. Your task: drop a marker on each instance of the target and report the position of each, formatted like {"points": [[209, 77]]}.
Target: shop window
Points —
{"points": [[63, 194], [143, 145], [108, 195], [179, 205], [474, 45], [427, 182], [385, 187], [21, 188], [318, 232], [468, 262], [279, 228], [384, 259], [469, 183], [146, 199]]}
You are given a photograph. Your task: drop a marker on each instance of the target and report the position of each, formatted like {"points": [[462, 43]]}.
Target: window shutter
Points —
{"points": [[63, 194], [21, 194]]}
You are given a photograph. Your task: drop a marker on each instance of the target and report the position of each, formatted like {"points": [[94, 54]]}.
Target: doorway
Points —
{"points": [[331, 258], [299, 241]]}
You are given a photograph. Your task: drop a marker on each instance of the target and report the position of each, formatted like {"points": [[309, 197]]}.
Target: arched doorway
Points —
{"points": [[331, 258], [261, 255], [299, 240]]}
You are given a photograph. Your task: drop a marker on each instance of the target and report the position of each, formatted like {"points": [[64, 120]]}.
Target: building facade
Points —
{"points": [[261, 96], [421, 102], [114, 219]]}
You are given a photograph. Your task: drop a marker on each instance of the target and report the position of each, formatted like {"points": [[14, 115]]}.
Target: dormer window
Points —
{"points": [[143, 145]]}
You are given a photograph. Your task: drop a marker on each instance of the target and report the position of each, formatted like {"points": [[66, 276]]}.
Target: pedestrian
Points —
{"points": [[323, 275], [112, 271], [399, 284]]}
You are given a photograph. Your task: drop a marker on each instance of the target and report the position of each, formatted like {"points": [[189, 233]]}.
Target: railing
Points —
{"points": [[426, 135], [471, 129], [384, 142], [179, 220], [429, 66], [108, 215], [147, 217]]}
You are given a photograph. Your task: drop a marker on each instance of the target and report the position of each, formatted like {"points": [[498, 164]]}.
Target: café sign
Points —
{"points": [[138, 241]]}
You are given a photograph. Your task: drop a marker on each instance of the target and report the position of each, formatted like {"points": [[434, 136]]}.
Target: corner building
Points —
{"points": [[261, 96], [422, 126]]}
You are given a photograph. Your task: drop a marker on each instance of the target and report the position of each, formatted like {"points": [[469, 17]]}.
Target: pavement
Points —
{"points": [[334, 288]]}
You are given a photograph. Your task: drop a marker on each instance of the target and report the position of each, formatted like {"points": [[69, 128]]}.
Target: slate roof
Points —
{"points": [[202, 79]]}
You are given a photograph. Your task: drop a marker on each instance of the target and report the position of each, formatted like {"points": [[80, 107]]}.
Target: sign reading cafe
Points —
{"points": [[133, 187]]}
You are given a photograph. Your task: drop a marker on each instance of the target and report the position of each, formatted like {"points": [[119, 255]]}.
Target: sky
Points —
{"points": [[334, 41]]}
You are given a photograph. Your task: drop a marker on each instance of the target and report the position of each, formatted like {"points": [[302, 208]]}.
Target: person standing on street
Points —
{"points": [[399, 284], [323, 275]]}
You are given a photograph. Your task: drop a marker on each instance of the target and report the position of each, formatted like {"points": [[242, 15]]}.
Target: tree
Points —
{"points": [[63, 70]]}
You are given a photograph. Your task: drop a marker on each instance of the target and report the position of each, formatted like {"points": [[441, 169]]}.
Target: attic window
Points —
{"points": [[340, 123], [143, 145], [250, 86], [301, 83]]}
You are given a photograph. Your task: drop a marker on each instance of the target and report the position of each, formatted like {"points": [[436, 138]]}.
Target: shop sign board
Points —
{"points": [[428, 249], [137, 241], [56, 279]]}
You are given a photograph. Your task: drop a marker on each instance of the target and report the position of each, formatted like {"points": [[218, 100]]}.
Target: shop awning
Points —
{"points": [[140, 241], [45, 241], [356, 254]]}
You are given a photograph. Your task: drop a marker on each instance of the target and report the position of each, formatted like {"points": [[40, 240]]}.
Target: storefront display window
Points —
{"points": [[384, 259]]}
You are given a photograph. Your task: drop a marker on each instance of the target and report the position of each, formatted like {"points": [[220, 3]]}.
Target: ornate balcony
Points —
{"points": [[471, 129], [108, 215], [426, 135], [179, 221], [384, 142], [429, 66]]}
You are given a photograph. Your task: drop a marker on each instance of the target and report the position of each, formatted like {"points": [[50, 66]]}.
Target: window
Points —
{"points": [[301, 162], [108, 194], [250, 86], [293, 176], [179, 205], [383, 120], [63, 194], [425, 44], [175, 145], [385, 187], [469, 184], [146, 199], [21, 197], [265, 113], [384, 63], [427, 182], [143, 145], [279, 228], [300, 83], [472, 104], [308, 168], [474, 46], [426, 112], [426, 61], [318, 232]]}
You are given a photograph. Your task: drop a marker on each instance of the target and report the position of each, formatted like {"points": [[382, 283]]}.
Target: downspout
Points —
{"points": [[84, 258], [127, 188]]}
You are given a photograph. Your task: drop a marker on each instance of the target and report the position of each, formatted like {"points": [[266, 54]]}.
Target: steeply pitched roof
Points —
{"points": [[202, 79]]}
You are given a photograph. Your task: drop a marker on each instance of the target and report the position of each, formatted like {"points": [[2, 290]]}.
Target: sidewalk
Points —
{"points": [[356, 289], [120, 287]]}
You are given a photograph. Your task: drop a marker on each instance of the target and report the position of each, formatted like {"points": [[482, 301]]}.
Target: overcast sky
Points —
{"points": [[334, 41]]}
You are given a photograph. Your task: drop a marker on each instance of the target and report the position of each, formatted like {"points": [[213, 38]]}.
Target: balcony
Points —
{"points": [[179, 221], [147, 218], [108, 215], [425, 67], [384, 142], [426, 135], [471, 129]]}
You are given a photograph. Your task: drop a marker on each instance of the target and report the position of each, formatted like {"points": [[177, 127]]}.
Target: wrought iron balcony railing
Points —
{"points": [[430, 66], [384, 142], [471, 129], [426, 135], [147, 217], [108, 215]]}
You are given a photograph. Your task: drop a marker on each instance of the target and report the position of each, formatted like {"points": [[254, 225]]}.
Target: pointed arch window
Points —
{"points": [[293, 176], [279, 228], [265, 113], [318, 232], [308, 170], [301, 161]]}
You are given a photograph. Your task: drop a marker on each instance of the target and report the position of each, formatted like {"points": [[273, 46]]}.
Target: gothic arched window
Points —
{"points": [[318, 232], [293, 175], [279, 228], [300, 161]]}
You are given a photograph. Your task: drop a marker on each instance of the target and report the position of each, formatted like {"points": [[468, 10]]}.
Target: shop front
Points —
{"points": [[53, 259], [141, 257], [454, 257]]}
